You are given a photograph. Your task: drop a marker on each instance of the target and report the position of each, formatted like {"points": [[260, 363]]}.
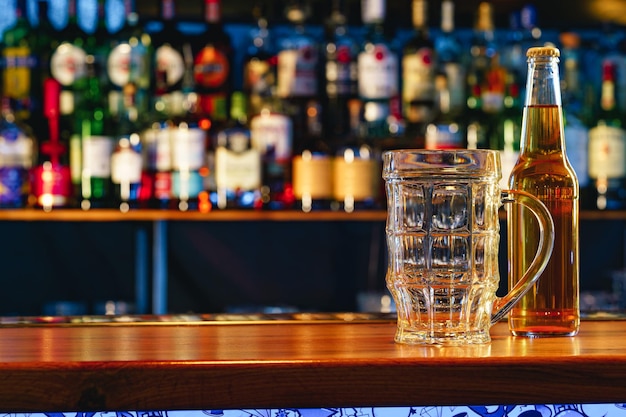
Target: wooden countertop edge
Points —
{"points": [[197, 385]]}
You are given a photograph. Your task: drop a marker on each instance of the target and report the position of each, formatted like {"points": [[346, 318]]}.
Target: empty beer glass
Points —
{"points": [[443, 234]]}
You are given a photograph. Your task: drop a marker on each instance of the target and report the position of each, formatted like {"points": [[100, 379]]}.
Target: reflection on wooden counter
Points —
{"points": [[196, 365]]}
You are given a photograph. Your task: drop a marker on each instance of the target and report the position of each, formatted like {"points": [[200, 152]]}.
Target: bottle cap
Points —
{"points": [[543, 51]]}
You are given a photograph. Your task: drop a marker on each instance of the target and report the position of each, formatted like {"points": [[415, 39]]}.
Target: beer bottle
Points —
{"points": [[551, 308]]}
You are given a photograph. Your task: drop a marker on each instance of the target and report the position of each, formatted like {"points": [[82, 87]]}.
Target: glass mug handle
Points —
{"points": [[502, 305]]}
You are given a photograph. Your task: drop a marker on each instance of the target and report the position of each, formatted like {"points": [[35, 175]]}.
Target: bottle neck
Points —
{"points": [[212, 11], [542, 123]]}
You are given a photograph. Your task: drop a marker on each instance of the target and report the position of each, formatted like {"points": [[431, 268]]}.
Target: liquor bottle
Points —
{"points": [[298, 76], [260, 61], [271, 133], [377, 69], [157, 157], [212, 68], [477, 122], [551, 308], [237, 162], [126, 160], [91, 162], [19, 74], [418, 74], [169, 65], [17, 155], [356, 168], [189, 164], [451, 59], [607, 146], [68, 66], [312, 165], [51, 180], [91, 114], [130, 62], [506, 133], [577, 115], [445, 131], [484, 66], [340, 73]]}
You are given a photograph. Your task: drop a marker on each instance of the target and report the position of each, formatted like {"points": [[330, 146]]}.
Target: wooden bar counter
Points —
{"points": [[209, 364]]}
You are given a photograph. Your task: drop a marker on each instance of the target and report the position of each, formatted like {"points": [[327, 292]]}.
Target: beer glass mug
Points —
{"points": [[443, 234]]}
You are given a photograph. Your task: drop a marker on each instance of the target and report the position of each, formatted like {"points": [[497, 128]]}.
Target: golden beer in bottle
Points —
{"points": [[551, 307]]}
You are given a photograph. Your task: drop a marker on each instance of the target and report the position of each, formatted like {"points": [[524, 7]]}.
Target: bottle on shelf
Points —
{"points": [[18, 154], [312, 165], [68, 67], [51, 180], [260, 61], [212, 52], [91, 162], [378, 71], [477, 121], [551, 308], [445, 131], [19, 74], [129, 62], [451, 57], [340, 73], [576, 113], [91, 115], [418, 74], [169, 65], [126, 160], [298, 76], [237, 162], [271, 132], [356, 168], [607, 146], [507, 130]]}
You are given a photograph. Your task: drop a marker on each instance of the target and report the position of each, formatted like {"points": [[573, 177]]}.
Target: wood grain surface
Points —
{"points": [[297, 364]]}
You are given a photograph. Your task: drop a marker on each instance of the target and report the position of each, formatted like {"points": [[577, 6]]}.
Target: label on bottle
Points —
{"points": [[68, 64], [126, 166], [607, 152], [443, 136], [271, 134], [18, 63], [577, 148], [297, 72], [13, 185], [418, 72], [237, 170], [97, 151], [354, 178], [312, 176], [455, 74], [187, 184], [373, 11], [128, 63], [188, 149], [341, 73], [118, 65], [258, 77], [51, 185], [377, 72], [171, 63], [211, 67]]}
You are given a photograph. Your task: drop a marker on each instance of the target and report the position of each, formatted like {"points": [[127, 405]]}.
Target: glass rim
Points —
{"points": [[402, 163]]}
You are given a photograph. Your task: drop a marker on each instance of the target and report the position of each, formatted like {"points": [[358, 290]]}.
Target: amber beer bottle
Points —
{"points": [[551, 308]]}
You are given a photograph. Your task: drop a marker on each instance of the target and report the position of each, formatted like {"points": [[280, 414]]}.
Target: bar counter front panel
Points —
{"points": [[345, 365]]}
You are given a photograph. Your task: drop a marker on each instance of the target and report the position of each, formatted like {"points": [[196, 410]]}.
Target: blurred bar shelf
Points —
{"points": [[212, 365], [153, 251]]}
